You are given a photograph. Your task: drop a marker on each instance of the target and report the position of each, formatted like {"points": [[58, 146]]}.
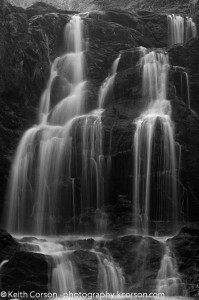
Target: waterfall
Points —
{"points": [[110, 275], [175, 29], [191, 30], [168, 279], [180, 29], [188, 89], [155, 166], [184, 87], [61, 170], [140, 268], [42, 187], [63, 272], [44, 156], [94, 163], [108, 83], [65, 276]]}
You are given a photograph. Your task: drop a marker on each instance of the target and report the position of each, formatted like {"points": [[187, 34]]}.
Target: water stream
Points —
{"points": [[180, 29], [168, 279], [160, 167]]}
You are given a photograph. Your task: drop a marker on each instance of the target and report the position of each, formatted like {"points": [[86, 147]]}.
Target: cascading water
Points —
{"points": [[63, 272], [42, 180], [41, 172], [94, 163], [180, 29], [184, 86], [188, 89], [157, 166], [191, 30], [108, 83], [42, 177], [110, 275], [168, 279], [65, 276], [44, 185]]}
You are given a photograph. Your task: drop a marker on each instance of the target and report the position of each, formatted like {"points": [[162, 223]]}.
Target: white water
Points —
{"points": [[44, 160], [93, 158], [108, 84], [188, 89], [165, 171], [42, 186], [168, 279], [65, 276], [94, 163], [43, 157], [63, 273], [184, 90], [180, 29], [110, 275]]}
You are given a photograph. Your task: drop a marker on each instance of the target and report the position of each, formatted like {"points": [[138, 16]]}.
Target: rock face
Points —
{"points": [[176, 6], [140, 260], [7, 245], [185, 246], [20, 268]]}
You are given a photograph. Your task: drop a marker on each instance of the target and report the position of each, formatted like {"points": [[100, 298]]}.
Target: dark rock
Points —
{"points": [[185, 246], [187, 56], [20, 268], [140, 260], [41, 8], [8, 245], [26, 270], [86, 244], [190, 231], [87, 265]]}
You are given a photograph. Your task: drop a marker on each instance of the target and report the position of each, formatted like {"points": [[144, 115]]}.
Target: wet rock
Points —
{"points": [[8, 245], [185, 246], [87, 264], [86, 244], [187, 56], [23, 269], [26, 270], [140, 260]]}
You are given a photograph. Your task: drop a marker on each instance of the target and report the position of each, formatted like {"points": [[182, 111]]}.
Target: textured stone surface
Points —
{"points": [[185, 246]]}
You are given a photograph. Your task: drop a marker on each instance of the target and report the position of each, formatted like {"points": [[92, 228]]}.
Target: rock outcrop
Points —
{"points": [[185, 246]]}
